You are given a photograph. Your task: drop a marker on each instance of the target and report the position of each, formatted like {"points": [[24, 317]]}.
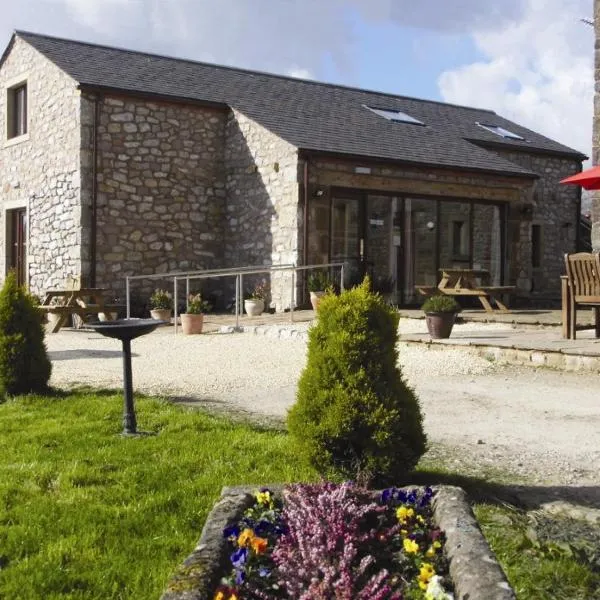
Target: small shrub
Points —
{"points": [[318, 281], [24, 363], [440, 303], [196, 305], [354, 415], [161, 300]]}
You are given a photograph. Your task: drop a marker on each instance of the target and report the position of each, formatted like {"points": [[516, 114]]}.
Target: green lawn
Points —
{"points": [[86, 513]]}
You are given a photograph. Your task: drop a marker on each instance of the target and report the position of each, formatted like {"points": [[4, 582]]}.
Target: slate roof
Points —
{"points": [[310, 115]]}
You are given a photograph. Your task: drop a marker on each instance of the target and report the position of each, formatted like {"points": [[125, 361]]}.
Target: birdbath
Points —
{"points": [[126, 330]]}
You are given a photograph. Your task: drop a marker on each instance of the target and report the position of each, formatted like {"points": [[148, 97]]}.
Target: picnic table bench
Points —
{"points": [[469, 282], [65, 303]]}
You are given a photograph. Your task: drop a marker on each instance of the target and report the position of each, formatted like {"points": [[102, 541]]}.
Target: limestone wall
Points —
{"points": [[40, 170], [555, 209], [263, 215], [161, 189]]}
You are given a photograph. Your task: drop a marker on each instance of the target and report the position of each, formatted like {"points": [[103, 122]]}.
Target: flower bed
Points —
{"points": [[338, 541]]}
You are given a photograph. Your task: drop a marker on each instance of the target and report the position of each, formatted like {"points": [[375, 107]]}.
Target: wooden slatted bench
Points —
{"points": [[582, 289]]}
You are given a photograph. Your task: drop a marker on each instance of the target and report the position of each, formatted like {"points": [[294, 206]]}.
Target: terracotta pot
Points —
{"points": [[440, 325], [254, 307], [161, 314], [315, 298], [192, 323]]}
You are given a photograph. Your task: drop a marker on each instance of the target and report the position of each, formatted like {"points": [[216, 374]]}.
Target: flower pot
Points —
{"points": [[113, 315], [161, 314], [440, 325], [315, 298], [254, 307], [192, 323]]}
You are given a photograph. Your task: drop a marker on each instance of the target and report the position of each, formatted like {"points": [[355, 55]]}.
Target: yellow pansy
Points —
{"points": [[263, 497], [219, 596], [420, 520], [426, 572], [403, 514], [410, 546], [245, 537]]}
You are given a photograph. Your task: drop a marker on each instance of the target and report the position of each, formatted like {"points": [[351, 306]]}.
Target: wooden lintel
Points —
{"points": [[402, 185]]}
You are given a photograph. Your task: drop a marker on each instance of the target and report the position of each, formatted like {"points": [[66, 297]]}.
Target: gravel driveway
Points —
{"points": [[538, 424]]}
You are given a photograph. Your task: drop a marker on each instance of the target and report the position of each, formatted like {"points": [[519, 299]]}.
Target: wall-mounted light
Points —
{"points": [[319, 193], [430, 225]]}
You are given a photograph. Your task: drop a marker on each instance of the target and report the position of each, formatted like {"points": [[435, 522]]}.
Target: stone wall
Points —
{"points": [[596, 131], [556, 209], [263, 215], [41, 170], [161, 189]]}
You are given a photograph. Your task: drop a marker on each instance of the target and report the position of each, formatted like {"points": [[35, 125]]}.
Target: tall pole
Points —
{"points": [[129, 422]]}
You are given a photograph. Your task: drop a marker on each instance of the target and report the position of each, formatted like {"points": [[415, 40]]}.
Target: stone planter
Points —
{"points": [[440, 325], [192, 323], [254, 307], [315, 298], [473, 567], [161, 314]]}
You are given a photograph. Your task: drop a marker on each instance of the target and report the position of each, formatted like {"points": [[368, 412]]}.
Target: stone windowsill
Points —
{"points": [[16, 140]]}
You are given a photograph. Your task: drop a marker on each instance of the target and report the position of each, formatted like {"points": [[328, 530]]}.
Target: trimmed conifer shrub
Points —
{"points": [[24, 363], [354, 416]]}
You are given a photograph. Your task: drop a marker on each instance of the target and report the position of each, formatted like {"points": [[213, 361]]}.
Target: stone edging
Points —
{"points": [[554, 359], [473, 567], [270, 331]]}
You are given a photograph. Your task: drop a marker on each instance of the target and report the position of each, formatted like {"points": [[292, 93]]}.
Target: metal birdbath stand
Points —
{"points": [[127, 330]]}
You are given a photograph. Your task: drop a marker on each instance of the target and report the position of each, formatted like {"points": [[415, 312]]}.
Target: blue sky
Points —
{"points": [[529, 60]]}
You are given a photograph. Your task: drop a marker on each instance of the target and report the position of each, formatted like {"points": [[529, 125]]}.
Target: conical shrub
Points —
{"points": [[24, 363], [354, 416]]}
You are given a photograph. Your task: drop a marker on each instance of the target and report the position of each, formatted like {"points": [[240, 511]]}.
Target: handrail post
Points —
{"points": [[241, 294], [342, 278], [127, 300], [292, 295], [187, 290], [237, 290], [175, 301]]}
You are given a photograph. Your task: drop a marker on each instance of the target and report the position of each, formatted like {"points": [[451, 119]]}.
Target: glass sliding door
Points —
{"points": [[455, 235], [419, 247], [487, 240]]}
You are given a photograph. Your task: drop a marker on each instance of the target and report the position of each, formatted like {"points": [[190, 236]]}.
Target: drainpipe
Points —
{"points": [[305, 224], [93, 232]]}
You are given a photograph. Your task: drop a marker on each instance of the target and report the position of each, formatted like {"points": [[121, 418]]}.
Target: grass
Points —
{"points": [[541, 557], [87, 513]]}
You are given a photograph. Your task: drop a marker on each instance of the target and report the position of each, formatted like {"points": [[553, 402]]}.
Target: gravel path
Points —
{"points": [[539, 425]]}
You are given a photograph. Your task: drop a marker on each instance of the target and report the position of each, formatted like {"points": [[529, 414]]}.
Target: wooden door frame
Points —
{"points": [[8, 210]]}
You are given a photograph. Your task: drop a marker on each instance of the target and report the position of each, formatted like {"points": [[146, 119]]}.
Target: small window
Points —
{"points": [[396, 116], [536, 246], [505, 133], [460, 239], [17, 111]]}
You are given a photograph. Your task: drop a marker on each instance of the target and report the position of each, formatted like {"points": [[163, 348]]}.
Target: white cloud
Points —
{"points": [[300, 73], [537, 71]]}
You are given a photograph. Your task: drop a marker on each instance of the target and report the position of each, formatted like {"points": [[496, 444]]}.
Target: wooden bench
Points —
{"points": [[581, 288]]}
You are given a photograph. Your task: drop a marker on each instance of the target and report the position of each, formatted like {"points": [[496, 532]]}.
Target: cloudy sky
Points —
{"points": [[529, 60]]}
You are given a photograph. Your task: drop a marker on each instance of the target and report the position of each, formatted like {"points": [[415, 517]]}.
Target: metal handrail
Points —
{"points": [[238, 273]]}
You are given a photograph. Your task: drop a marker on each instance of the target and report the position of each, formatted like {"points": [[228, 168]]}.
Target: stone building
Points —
{"points": [[118, 163]]}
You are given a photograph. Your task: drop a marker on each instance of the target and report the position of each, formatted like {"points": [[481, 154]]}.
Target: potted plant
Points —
{"points": [[192, 319], [161, 305], [440, 313], [318, 284], [254, 304]]}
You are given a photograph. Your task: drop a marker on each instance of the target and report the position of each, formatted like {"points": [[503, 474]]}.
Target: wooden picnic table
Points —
{"points": [[470, 282], [81, 302]]}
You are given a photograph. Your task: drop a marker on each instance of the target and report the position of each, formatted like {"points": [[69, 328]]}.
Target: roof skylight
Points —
{"points": [[397, 116], [505, 133]]}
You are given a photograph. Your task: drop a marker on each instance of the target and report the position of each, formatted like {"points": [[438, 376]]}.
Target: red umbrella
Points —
{"points": [[588, 179]]}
